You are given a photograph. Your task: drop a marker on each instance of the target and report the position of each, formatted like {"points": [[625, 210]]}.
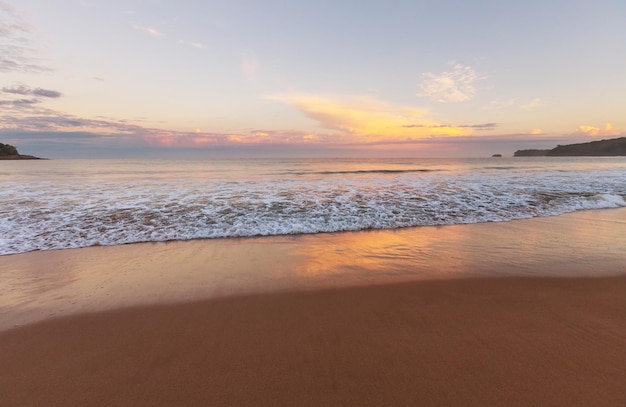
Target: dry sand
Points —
{"points": [[503, 315], [479, 342]]}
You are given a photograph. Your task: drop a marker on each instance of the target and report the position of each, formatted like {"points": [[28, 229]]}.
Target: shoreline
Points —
{"points": [[20, 157], [529, 312], [48, 284], [305, 234]]}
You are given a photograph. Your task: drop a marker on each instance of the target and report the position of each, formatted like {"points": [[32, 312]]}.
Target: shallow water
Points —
{"points": [[46, 284], [61, 204]]}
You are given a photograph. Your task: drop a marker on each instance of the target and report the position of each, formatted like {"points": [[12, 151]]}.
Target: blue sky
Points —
{"points": [[87, 78]]}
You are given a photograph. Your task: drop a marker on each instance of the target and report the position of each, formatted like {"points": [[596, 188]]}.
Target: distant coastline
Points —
{"points": [[9, 152], [20, 157], [602, 148]]}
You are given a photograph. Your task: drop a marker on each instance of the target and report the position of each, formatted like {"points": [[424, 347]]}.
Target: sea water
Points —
{"points": [[58, 204]]}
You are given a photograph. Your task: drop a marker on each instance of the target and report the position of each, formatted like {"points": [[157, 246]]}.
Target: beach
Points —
{"points": [[415, 203], [528, 312]]}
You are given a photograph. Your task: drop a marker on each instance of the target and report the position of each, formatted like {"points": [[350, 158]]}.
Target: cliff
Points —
{"points": [[610, 147]]}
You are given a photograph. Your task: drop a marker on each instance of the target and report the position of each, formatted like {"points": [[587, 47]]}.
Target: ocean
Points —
{"points": [[60, 204]]}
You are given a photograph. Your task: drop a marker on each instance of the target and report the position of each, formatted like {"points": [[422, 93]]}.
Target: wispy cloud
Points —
{"points": [[485, 126], [149, 30], [45, 125], [17, 45], [52, 125], [25, 90], [45, 130], [28, 119], [456, 85], [350, 122], [22, 105], [18, 102], [31, 114], [346, 122]]}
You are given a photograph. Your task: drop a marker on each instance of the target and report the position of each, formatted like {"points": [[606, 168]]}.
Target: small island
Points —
{"points": [[9, 152], [602, 148]]}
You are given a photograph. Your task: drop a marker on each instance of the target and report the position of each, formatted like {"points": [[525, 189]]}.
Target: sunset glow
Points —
{"points": [[366, 117], [164, 78]]}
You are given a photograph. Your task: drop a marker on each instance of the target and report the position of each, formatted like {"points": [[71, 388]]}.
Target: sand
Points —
{"points": [[516, 314], [478, 342]]}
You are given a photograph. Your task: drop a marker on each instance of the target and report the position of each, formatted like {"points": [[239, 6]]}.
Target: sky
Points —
{"points": [[437, 78]]}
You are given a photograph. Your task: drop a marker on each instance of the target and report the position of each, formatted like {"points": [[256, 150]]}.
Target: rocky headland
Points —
{"points": [[602, 148], [9, 152]]}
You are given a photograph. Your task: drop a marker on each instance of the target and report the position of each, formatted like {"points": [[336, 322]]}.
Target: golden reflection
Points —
{"points": [[370, 256], [90, 279], [576, 244]]}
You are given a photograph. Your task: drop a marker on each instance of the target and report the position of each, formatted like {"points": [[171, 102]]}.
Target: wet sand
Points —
{"points": [[523, 313]]}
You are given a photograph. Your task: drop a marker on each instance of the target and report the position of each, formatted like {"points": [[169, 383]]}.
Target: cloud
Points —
{"points": [[25, 90], [347, 124], [592, 131], [46, 93], [17, 44], [368, 117], [18, 90], [33, 118], [26, 105], [486, 126], [452, 86], [51, 133], [17, 102], [353, 122], [256, 138], [152, 31], [57, 136], [49, 125]]}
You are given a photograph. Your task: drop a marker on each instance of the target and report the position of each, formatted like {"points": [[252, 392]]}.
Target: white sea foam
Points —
{"points": [[120, 202]]}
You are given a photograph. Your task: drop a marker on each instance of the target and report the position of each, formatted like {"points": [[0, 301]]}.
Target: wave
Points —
{"points": [[245, 217], [356, 172], [120, 203]]}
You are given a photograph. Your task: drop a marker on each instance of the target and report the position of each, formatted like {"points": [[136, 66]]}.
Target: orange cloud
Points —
{"points": [[592, 131], [367, 117], [190, 139]]}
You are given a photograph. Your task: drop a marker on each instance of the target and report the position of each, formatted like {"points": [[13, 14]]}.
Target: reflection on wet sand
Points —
{"points": [[40, 285], [579, 244]]}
